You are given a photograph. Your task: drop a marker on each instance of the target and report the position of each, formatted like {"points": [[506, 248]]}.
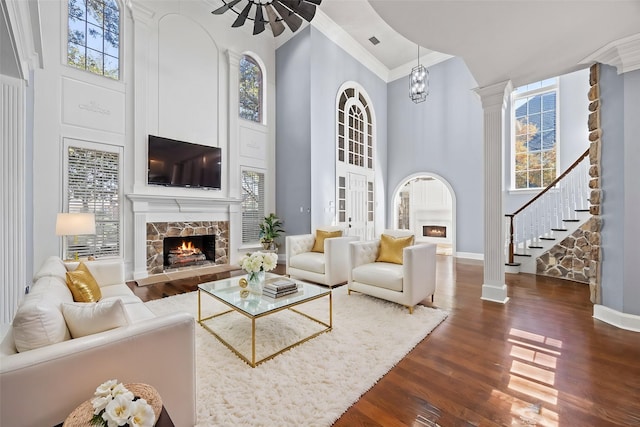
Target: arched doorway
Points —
{"points": [[425, 203]]}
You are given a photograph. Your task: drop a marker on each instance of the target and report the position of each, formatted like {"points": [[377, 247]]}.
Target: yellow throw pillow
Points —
{"points": [[82, 285], [318, 245], [391, 248]]}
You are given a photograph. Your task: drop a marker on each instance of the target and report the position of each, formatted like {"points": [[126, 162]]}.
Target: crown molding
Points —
{"points": [[24, 24], [624, 54], [139, 12]]}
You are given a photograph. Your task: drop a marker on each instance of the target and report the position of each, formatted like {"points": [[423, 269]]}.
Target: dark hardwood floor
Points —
{"points": [[541, 359]]}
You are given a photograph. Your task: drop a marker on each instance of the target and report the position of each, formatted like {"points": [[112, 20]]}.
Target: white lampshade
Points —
{"points": [[74, 224]]}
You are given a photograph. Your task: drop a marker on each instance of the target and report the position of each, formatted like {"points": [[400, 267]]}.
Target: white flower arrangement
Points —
{"points": [[114, 405], [259, 261]]}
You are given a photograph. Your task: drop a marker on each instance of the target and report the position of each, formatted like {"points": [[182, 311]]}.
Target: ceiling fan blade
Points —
{"points": [[258, 22], [225, 7], [292, 20], [239, 22], [305, 10], [314, 1], [277, 27]]}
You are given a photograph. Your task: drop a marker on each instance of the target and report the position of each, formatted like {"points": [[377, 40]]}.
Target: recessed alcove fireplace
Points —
{"points": [[434, 231]]}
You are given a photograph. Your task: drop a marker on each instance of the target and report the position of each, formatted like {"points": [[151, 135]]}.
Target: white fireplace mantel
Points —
{"points": [[156, 203], [149, 207]]}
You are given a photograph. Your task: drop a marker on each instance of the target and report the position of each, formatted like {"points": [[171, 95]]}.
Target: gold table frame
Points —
{"points": [[253, 362]]}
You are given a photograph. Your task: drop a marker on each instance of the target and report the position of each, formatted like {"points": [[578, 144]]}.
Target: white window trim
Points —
{"points": [[263, 122], [89, 145], [80, 73], [512, 185]]}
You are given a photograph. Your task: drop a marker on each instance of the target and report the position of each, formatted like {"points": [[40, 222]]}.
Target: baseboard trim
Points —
{"points": [[470, 255], [630, 322], [495, 294]]}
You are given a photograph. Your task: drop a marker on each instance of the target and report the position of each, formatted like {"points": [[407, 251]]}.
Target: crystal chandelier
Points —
{"points": [[419, 82]]}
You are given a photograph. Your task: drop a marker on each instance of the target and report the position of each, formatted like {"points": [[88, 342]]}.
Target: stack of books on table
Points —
{"points": [[276, 288]]}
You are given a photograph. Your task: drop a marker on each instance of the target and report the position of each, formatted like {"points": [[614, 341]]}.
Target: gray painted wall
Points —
{"points": [[442, 135], [293, 133], [321, 65], [631, 299], [620, 96]]}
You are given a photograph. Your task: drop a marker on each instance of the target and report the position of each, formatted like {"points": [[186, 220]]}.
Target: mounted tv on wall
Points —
{"points": [[175, 163]]}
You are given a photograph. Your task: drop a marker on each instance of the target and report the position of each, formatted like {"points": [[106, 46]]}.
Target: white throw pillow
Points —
{"points": [[38, 322], [90, 318]]}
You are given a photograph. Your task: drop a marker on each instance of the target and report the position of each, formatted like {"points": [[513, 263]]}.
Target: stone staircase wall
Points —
{"points": [[571, 258]]}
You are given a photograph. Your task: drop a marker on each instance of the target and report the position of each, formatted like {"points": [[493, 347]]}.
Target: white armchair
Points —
{"points": [[407, 283], [325, 261]]}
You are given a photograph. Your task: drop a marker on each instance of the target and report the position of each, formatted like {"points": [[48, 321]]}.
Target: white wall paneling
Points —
{"points": [[91, 106], [187, 81], [253, 143], [13, 231]]}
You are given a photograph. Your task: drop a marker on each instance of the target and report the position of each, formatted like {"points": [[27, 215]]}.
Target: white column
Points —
{"points": [[494, 99], [233, 108], [235, 212]]}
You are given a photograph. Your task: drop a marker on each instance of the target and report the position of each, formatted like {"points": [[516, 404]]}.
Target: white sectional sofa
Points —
{"points": [[45, 374]]}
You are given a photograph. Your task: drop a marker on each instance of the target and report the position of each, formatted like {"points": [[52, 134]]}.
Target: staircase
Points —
{"points": [[548, 218]]}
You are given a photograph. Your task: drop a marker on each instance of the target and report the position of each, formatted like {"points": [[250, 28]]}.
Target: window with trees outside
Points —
{"points": [[251, 89], [93, 41], [252, 205], [535, 140], [93, 186]]}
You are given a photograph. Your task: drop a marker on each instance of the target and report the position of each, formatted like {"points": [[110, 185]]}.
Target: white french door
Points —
{"points": [[356, 204]]}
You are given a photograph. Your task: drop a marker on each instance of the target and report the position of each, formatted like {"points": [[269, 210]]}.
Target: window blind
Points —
{"points": [[93, 186], [252, 205]]}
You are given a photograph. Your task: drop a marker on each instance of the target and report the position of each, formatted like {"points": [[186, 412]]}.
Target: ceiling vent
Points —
{"points": [[374, 41]]}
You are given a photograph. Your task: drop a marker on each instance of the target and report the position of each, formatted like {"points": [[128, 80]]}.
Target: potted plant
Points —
{"points": [[270, 230]]}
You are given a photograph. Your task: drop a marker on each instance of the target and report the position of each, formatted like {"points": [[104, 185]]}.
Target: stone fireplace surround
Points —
{"points": [[194, 214], [158, 231]]}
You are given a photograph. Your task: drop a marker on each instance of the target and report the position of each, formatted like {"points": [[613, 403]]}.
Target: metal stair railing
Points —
{"points": [[549, 210]]}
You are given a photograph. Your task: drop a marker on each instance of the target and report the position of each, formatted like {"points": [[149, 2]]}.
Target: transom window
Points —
{"points": [[355, 129], [535, 140], [251, 83], [93, 42]]}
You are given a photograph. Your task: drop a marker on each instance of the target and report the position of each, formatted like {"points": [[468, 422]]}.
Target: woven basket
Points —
{"points": [[81, 416]]}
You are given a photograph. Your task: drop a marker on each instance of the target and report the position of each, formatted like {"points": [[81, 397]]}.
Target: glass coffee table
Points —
{"points": [[253, 306]]}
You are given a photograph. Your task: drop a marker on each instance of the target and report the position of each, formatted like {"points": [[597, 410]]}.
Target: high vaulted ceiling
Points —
{"points": [[520, 40]]}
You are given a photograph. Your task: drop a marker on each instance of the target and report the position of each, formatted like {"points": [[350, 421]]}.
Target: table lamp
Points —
{"points": [[75, 224]]}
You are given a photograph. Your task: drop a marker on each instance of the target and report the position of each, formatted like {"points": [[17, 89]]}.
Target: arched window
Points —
{"points": [[93, 41], [251, 89], [355, 129]]}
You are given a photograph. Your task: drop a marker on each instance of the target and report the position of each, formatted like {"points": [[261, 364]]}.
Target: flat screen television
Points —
{"points": [[183, 164]]}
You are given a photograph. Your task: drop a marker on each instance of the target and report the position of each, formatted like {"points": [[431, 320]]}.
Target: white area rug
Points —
{"points": [[312, 384]]}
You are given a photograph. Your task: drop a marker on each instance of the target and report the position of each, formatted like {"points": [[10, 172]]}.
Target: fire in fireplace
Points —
{"points": [[188, 250], [434, 231]]}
